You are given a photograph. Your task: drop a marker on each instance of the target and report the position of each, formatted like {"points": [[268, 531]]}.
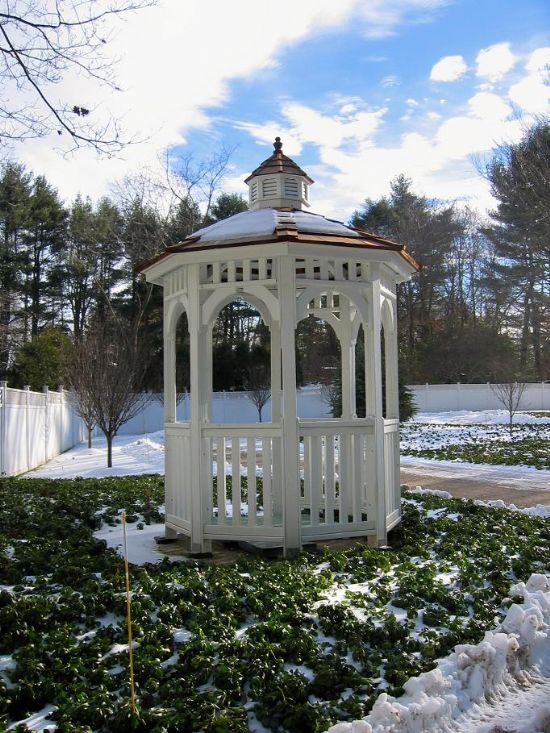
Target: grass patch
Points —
{"points": [[297, 644]]}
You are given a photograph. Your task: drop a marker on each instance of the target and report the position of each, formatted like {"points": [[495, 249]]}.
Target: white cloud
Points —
{"points": [[539, 61], [487, 106], [532, 93], [411, 103], [449, 68], [390, 81], [307, 125], [495, 61]]}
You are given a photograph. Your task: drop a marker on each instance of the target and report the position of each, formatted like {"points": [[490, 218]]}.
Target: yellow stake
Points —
{"points": [[129, 619]]}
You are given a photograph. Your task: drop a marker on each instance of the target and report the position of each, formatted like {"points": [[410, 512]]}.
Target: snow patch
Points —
{"points": [[516, 653]]}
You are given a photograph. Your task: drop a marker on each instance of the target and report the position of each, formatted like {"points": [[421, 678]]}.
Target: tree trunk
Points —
{"points": [[109, 450], [89, 436]]}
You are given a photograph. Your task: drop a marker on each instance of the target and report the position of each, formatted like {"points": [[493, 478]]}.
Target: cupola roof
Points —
{"points": [[278, 162]]}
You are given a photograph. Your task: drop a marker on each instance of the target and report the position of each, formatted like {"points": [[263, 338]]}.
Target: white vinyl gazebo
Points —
{"points": [[287, 481]]}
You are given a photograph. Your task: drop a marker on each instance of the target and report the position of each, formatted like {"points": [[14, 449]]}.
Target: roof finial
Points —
{"points": [[278, 145]]}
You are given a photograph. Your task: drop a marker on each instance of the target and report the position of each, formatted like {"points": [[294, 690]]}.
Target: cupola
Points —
{"points": [[278, 182]]}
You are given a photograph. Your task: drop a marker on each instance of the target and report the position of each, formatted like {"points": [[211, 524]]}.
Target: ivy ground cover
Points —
{"points": [[529, 444], [279, 646]]}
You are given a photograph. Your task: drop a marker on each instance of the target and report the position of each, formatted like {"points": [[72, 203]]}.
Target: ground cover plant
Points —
{"points": [[529, 444], [297, 644]]}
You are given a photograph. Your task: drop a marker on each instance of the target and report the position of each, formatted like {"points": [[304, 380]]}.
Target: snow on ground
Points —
{"points": [[473, 417], [140, 543], [132, 455], [540, 510]]}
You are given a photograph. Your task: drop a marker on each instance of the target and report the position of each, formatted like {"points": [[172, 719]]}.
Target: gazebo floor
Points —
{"points": [[228, 553]]}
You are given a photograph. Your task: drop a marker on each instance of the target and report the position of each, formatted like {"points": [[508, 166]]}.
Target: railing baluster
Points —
{"points": [[221, 480], [251, 480], [307, 474], [357, 485], [316, 478], [236, 480], [344, 465], [266, 482], [207, 477], [330, 493]]}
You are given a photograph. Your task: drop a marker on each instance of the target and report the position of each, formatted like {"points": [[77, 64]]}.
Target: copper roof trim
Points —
{"points": [[288, 235]]}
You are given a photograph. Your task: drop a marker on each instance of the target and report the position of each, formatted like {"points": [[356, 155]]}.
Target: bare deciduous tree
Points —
{"points": [[107, 374], [190, 180], [40, 43], [258, 388], [509, 396]]}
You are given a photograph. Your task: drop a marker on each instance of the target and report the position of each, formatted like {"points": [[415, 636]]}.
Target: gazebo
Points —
{"points": [[290, 480]]}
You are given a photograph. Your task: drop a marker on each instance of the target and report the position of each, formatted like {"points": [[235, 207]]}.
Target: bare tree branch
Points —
{"points": [[509, 396], [41, 42]]}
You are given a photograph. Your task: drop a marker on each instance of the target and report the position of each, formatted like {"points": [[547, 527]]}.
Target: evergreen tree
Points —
{"points": [[15, 192], [42, 361], [46, 229], [520, 181]]}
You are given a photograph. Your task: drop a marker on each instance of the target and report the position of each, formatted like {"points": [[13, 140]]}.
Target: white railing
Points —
{"points": [[241, 488], [242, 481], [391, 470], [337, 490], [178, 480]]}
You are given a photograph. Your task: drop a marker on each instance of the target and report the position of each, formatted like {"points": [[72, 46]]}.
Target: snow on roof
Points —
{"points": [[263, 222]]}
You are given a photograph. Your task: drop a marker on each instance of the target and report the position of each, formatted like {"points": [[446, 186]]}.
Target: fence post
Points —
{"points": [[62, 420], [27, 426], [46, 422], [3, 405]]}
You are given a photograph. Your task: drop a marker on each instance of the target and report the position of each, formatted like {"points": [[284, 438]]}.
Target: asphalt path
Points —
{"points": [[479, 482]]}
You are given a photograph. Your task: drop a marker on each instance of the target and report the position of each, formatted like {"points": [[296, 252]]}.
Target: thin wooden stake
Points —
{"points": [[129, 619]]}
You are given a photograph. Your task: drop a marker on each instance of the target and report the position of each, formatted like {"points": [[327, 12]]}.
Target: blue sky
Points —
{"points": [[359, 91]]}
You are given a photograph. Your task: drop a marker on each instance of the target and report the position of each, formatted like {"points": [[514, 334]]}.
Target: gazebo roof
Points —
{"points": [[277, 216], [267, 226]]}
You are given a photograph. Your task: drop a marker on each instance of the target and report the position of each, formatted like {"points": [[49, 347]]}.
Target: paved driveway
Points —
{"points": [[522, 488]]}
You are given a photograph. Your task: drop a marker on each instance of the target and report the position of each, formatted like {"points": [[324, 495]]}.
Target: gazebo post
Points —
{"points": [[292, 541], [347, 350], [169, 373], [209, 368], [277, 477], [196, 341], [373, 399], [391, 363]]}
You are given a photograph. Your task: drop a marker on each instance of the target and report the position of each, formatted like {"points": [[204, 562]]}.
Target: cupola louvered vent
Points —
{"points": [[291, 188], [269, 188], [278, 183]]}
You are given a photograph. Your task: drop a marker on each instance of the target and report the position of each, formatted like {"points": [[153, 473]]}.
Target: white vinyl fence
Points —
{"points": [[227, 407], [34, 427], [37, 426], [445, 397]]}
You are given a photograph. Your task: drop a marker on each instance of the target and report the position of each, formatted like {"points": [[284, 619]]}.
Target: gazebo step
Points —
{"points": [[270, 550]]}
